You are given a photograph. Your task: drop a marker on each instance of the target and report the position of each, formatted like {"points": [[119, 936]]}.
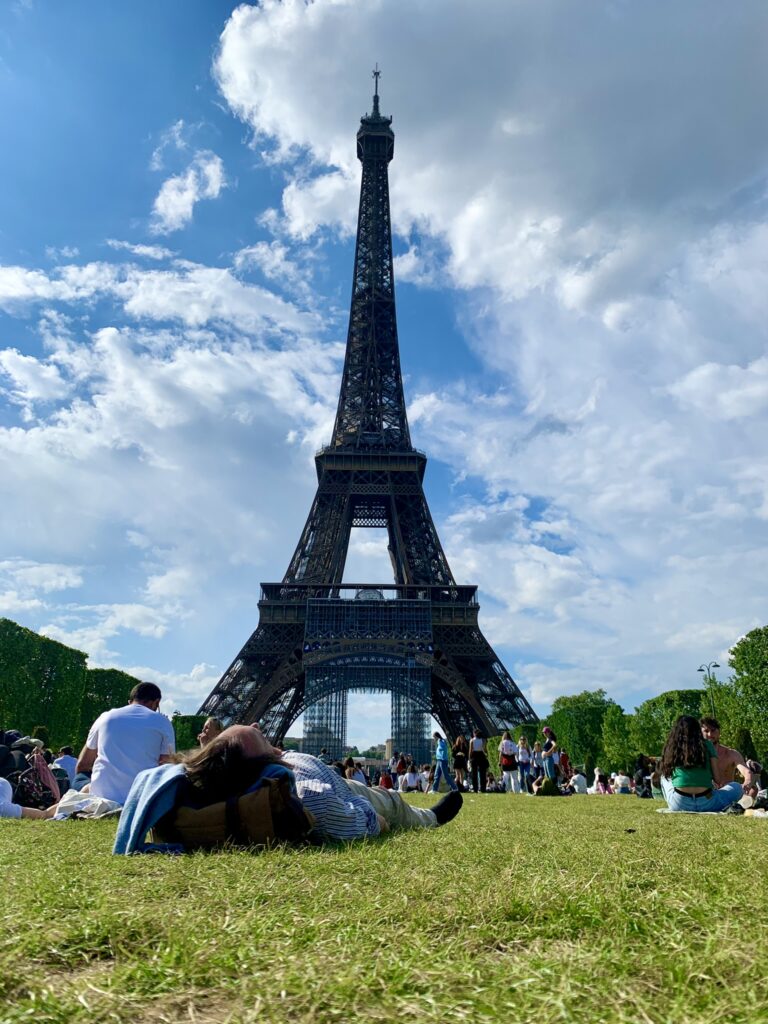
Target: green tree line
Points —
{"points": [[45, 685], [595, 730]]}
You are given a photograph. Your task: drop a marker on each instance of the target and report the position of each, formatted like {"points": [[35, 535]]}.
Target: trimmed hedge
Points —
{"points": [[41, 683]]}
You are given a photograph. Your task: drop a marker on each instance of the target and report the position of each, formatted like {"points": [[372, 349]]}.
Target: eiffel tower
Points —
{"points": [[417, 638]]}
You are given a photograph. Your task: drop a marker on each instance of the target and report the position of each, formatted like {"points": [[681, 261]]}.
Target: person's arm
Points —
{"points": [[33, 812], [86, 759]]}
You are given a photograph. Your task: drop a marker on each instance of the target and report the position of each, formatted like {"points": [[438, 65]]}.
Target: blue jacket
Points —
{"points": [[441, 753]]}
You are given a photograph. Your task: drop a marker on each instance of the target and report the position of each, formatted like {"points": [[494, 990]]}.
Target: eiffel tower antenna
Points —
{"points": [[418, 637]]}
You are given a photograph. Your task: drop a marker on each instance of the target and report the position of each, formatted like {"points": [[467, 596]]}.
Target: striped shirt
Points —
{"points": [[339, 813]]}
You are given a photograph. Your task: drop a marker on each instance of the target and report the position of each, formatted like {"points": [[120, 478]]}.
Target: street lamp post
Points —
{"points": [[708, 680]]}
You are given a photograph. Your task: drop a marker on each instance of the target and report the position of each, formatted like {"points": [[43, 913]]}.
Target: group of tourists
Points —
{"points": [[238, 786]]}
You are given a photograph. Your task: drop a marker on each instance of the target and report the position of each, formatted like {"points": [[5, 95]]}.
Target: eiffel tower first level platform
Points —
{"points": [[416, 637]]}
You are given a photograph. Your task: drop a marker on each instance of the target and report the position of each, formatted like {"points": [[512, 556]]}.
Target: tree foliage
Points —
{"points": [[749, 660], [618, 745], [578, 723], [41, 683], [654, 718]]}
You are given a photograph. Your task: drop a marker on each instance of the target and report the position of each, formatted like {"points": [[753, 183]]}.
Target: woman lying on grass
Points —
{"points": [[228, 772], [688, 770]]}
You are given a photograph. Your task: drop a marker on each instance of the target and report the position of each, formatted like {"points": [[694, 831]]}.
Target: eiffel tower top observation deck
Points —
{"points": [[417, 638]]}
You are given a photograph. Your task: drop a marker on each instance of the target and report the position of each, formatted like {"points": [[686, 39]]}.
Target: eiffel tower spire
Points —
{"points": [[418, 638]]}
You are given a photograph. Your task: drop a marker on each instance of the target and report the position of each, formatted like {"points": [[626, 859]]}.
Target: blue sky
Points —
{"points": [[579, 200]]}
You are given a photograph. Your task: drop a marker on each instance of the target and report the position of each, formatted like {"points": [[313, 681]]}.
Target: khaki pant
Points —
{"points": [[391, 806]]}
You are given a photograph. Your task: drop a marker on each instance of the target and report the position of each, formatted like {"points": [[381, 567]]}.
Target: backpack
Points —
{"points": [[269, 812], [30, 791]]}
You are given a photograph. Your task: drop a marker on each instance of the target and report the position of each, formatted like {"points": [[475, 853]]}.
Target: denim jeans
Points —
{"points": [[523, 771], [441, 769], [550, 768], [720, 799]]}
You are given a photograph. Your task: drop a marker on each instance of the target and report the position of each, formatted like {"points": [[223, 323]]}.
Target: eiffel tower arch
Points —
{"points": [[417, 637]]}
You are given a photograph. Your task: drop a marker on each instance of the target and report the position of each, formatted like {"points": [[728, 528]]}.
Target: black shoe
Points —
{"points": [[447, 808]]}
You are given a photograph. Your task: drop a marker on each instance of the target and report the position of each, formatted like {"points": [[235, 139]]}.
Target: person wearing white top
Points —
{"points": [[123, 742], [508, 764], [578, 783], [67, 761]]}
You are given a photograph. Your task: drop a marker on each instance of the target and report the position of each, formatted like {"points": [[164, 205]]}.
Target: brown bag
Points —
{"points": [[258, 818]]}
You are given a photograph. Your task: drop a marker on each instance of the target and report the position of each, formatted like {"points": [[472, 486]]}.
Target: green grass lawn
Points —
{"points": [[587, 909]]}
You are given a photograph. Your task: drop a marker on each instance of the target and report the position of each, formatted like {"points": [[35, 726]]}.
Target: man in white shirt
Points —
{"points": [[125, 741], [67, 761], [578, 782]]}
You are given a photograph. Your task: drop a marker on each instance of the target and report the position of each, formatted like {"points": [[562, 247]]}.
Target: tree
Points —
{"points": [[578, 724], [653, 720], [749, 660], [618, 748]]}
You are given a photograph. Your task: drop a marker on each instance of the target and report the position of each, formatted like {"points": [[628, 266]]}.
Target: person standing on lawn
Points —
{"points": [[459, 752], [548, 752], [441, 764], [508, 763], [523, 764], [689, 771], [478, 760]]}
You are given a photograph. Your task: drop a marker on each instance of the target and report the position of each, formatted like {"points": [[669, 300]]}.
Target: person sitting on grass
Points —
{"points": [[544, 786], [578, 782], [9, 809], [688, 771], [622, 784], [729, 761], [602, 784], [212, 728]]}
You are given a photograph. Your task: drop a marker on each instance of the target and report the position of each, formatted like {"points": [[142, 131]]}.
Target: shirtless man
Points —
{"points": [[728, 760]]}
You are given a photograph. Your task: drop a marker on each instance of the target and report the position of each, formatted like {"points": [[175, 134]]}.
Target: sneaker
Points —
{"points": [[445, 810]]}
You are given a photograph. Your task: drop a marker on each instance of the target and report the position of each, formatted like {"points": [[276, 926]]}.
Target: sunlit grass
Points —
{"points": [[586, 909]]}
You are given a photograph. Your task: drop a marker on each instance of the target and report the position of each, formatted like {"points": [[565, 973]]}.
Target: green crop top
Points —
{"points": [[701, 775]]}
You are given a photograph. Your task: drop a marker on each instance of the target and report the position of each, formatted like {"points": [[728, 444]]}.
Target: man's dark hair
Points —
{"points": [[66, 750], [709, 723], [143, 693]]}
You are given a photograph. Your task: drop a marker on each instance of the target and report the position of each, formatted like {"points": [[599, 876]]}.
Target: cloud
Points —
{"points": [[178, 195], [66, 252], [173, 138], [150, 252], [190, 293]]}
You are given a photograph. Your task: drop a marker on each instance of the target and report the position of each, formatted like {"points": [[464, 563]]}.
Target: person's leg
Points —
{"points": [[391, 806], [483, 769], [441, 767], [723, 797], [549, 768], [475, 775], [439, 772], [514, 782]]}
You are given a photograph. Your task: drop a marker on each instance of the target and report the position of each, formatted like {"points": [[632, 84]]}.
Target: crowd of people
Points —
{"points": [[129, 762]]}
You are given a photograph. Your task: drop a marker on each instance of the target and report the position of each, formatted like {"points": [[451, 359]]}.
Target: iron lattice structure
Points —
{"points": [[317, 639]]}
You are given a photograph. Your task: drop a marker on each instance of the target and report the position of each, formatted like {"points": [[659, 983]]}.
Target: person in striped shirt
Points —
{"points": [[344, 809]]}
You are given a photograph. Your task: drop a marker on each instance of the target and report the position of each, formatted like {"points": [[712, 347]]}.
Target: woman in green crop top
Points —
{"points": [[688, 771]]}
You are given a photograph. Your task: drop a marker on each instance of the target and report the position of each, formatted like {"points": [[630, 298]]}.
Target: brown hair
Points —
{"points": [[685, 747], [221, 768]]}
